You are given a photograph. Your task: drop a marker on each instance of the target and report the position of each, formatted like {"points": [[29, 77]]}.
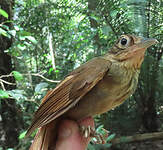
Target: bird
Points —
{"points": [[93, 88]]}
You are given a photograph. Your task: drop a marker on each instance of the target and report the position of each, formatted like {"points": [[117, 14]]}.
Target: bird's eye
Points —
{"points": [[123, 41]]}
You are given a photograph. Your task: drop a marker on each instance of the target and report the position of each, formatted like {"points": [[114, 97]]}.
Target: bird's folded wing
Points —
{"points": [[70, 91]]}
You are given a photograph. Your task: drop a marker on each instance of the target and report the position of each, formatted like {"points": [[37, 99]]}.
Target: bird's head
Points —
{"points": [[130, 49]]}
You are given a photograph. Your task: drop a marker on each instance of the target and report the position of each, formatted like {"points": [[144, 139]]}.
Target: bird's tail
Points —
{"points": [[45, 137]]}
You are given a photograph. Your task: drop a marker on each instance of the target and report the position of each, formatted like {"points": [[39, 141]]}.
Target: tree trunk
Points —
{"points": [[9, 113], [92, 4]]}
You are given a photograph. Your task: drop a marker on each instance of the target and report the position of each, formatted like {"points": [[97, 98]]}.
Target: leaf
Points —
{"points": [[22, 135], [17, 94], [21, 46], [32, 39], [106, 30], [39, 87], [91, 147], [24, 33], [50, 70], [112, 136], [99, 129], [5, 26], [22, 37], [3, 32], [16, 28], [56, 71], [4, 94], [3, 13], [94, 17], [113, 13], [12, 32], [17, 75], [75, 56]]}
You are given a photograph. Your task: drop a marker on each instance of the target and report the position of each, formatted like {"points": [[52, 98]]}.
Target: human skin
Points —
{"points": [[70, 137]]}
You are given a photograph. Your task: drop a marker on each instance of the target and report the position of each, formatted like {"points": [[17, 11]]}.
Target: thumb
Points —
{"points": [[69, 137]]}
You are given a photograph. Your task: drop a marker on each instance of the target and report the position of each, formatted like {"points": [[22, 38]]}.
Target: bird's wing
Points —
{"points": [[70, 91]]}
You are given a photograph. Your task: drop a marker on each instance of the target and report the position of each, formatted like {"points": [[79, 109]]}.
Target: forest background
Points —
{"points": [[41, 41]]}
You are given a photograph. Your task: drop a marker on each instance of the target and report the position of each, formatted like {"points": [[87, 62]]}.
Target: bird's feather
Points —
{"points": [[77, 84]]}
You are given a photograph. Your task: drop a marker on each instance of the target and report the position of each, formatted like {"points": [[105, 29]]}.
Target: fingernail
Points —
{"points": [[65, 133]]}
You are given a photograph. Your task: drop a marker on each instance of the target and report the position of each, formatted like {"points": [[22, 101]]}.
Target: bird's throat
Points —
{"points": [[134, 62]]}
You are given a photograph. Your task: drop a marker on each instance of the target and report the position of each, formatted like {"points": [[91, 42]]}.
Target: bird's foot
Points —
{"points": [[97, 137], [87, 131]]}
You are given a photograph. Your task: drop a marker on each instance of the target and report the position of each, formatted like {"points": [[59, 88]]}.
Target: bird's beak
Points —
{"points": [[146, 42]]}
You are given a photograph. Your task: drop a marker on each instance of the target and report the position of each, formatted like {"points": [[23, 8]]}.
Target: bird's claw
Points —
{"points": [[97, 138], [87, 131]]}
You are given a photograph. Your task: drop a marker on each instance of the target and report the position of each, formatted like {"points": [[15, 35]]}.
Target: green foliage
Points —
{"points": [[17, 94], [3, 32], [32, 39], [112, 136], [3, 13], [22, 135], [3, 94], [40, 87], [17, 75]]}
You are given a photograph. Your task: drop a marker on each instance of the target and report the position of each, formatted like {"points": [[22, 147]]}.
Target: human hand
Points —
{"points": [[69, 136]]}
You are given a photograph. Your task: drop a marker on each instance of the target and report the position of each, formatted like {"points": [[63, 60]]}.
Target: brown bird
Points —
{"points": [[93, 88]]}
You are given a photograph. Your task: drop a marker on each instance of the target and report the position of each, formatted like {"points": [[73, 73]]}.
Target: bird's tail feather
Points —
{"points": [[45, 137]]}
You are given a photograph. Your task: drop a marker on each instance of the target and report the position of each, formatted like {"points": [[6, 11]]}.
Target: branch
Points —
{"points": [[51, 51], [3, 87], [5, 76], [33, 74], [41, 76], [3, 81], [138, 138], [27, 100]]}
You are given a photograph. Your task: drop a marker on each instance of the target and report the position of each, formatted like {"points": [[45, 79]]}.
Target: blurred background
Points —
{"points": [[41, 41]]}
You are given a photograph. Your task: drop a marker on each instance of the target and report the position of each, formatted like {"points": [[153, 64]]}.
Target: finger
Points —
{"points": [[69, 136]]}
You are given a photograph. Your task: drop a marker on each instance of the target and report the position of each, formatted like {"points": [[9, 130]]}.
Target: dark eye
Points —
{"points": [[123, 41]]}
